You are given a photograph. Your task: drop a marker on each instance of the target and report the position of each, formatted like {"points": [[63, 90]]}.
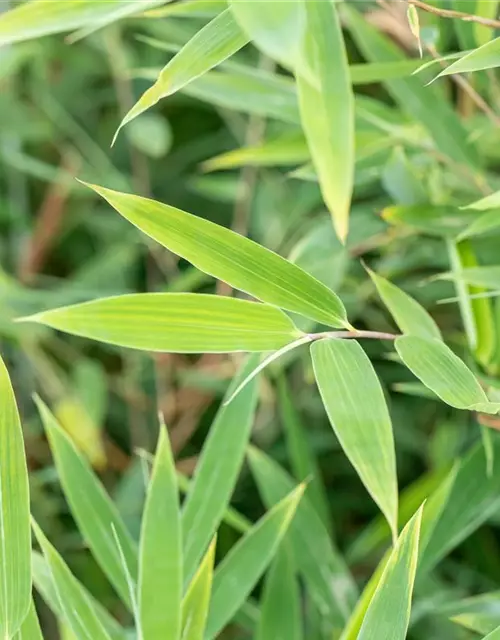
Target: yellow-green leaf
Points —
{"points": [[15, 536], [327, 110], [485, 57], [409, 315], [230, 257], [488, 202], [212, 44], [30, 628], [176, 322], [42, 17], [160, 552], [388, 614], [197, 598], [356, 407]]}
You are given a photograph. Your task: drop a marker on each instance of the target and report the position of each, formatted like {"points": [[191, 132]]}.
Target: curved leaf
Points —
{"points": [[485, 57], [197, 599]]}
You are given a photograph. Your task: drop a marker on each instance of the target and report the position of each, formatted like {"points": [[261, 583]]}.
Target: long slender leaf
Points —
{"points": [[488, 202], [355, 404], [15, 538], [197, 599], [30, 628], [176, 322], [327, 110], [217, 470], [488, 277], [160, 551], [76, 606], [92, 509], [218, 40], [228, 256], [485, 57], [244, 564], [388, 614], [486, 223]]}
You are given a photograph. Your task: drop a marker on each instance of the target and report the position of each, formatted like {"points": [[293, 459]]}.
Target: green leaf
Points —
{"points": [[76, 606], [242, 567], [409, 315], [375, 72], [327, 577], [489, 202], [304, 463], [15, 536], [212, 44], [281, 606], [327, 110], [30, 628], [356, 407], [425, 104], [197, 599], [160, 551], [43, 17], [93, 510], [444, 373], [485, 57], [230, 257], [477, 613], [400, 180], [441, 221], [217, 469], [488, 277], [176, 322], [490, 221], [388, 614], [276, 28]]}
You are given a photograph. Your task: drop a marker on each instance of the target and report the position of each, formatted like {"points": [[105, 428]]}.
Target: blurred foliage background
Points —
{"points": [[60, 104]]}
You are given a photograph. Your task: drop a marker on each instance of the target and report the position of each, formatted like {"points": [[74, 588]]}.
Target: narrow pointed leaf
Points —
{"points": [[327, 110], [488, 277], [212, 44], [409, 315], [322, 567], [197, 599], [93, 510], [217, 470], [176, 322], [442, 221], [280, 617], [488, 202], [485, 57], [494, 635], [388, 614], [160, 551], [230, 257], [42, 17], [444, 373], [242, 567], [276, 28], [356, 407], [15, 536], [490, 221], [30, 628], [76, 607]]}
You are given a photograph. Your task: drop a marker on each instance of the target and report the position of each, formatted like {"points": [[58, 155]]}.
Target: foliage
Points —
{"points": [[344, 224]]}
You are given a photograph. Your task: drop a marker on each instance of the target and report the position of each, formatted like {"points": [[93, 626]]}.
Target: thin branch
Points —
{"points": [[458, 15], [352, 335]]}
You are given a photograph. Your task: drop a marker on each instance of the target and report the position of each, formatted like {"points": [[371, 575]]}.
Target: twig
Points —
{"points": [[349, 335], [458, 15]]}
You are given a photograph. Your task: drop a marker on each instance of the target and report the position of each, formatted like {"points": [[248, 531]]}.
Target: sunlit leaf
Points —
{"points": [[196, 601], [327, 110], [238, 573], [409, 315], [485, 57], [215, 42], [229, 256], [176, 322], [388, 614], [160, 551], [15, 536], [356, 407], [488, 202], [42, 17], [30, 628]]}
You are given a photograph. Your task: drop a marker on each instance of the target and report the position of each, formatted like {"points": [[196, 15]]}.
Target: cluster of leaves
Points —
{"points": [[341, 143]]}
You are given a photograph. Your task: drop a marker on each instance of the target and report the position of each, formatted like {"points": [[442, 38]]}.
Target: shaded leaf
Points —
{"points": [[442, 221], [488, 277], [356, 407], [490, 221]]}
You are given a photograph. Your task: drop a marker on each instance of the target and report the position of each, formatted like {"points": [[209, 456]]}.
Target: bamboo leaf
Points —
{"points": [[356, 407], [485, 57], [281, 607], [327, 110], [15, 537], [490, 221], [42, 17], [228, 256], [409, 315], [494, 635], [93, 510], [388, 614], [488, 202], [442, 221], [197, 599], [436, 365], [488, 277], [176, 322], [76, 606], [160, 552], [30, 628], [212, 44], [241, 568], [217, 470]]}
